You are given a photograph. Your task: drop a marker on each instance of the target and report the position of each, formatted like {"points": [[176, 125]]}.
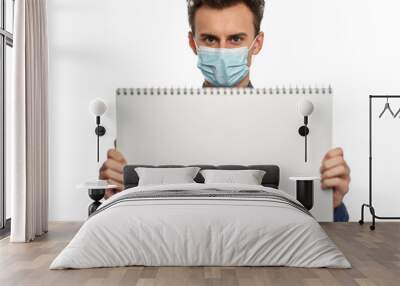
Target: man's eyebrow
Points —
{"points": [[205, 35], [238, 35]]}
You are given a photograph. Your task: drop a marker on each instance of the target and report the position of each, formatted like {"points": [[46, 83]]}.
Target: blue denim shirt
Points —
{"points": [[340, 213]]}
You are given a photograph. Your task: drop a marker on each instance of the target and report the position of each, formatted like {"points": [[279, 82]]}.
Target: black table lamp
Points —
{"points": [[305, 108], [97, 107]]}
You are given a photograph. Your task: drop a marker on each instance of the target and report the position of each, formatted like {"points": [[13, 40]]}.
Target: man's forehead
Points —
{"points": [[224, 22]]}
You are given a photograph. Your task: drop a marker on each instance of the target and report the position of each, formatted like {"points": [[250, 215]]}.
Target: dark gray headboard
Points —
{"points": [[271, 178]]}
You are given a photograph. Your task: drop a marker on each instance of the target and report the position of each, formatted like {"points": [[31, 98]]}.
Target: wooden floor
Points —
{"points": [[375, 257]]}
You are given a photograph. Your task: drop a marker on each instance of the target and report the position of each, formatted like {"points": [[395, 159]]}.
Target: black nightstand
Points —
{"points": [[96, 193], [305, 190]]}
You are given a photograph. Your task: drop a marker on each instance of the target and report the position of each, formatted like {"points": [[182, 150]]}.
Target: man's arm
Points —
{"points": [[112, 171], [335, 174]]}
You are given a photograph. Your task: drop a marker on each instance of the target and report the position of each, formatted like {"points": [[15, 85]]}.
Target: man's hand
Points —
{"points": [[112, 171], [335, 174]]}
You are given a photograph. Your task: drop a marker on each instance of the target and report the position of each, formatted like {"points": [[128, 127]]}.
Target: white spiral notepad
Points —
{"points": [[243, 126]]}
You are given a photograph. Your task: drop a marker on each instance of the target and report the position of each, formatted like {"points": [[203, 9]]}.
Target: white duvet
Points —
{"points": [[193, 231]]}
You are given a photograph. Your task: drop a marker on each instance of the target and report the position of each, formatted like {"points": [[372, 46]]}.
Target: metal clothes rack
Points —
{"points": [[370, 204]]}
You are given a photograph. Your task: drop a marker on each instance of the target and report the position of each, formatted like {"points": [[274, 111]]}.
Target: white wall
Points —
{"points": [[97, 46]]}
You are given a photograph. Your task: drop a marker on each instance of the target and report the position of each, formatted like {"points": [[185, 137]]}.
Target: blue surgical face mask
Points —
{"points": [[224, 67]]}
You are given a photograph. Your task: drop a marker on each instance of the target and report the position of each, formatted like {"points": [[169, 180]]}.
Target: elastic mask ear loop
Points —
{"points": [[197, 47], [254, 41], [252, 45]]}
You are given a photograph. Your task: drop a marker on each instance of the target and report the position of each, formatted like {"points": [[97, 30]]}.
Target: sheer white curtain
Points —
{"points": [[28, 123]]}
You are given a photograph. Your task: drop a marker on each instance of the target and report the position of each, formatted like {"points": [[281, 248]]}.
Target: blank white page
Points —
{"points": [[229, 126]]}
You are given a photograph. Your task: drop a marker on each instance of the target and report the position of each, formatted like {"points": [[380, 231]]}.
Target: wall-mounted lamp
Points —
{"points": [[305, 108], [97, 107]]}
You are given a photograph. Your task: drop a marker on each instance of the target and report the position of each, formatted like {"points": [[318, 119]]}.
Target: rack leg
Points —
{"points": [[372, 210], [361, 221]]}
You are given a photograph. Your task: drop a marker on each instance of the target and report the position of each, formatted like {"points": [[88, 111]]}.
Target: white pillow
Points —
{"points": [[166, 176], [248, 177]]}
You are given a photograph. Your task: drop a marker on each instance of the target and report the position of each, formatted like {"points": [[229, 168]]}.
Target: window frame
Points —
{"points": [[6, 39]]}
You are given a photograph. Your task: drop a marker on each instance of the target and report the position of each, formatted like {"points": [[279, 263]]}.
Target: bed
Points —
{"points": [[199, 224]]}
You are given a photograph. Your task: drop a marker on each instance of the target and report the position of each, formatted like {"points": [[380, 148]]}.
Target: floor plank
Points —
{"points": [[375, 257]]}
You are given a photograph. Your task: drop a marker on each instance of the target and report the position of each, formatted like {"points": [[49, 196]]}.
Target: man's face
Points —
{"points": [[231, 27]]}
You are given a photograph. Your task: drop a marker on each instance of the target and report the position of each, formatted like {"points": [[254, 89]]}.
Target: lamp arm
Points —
{"points": [[98, 148], [98, 138], [305, 145]]}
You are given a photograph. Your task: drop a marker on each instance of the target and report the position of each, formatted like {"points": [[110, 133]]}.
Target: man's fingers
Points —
{"points": [[117, 183], [334, 153], [338, 171], [110, 174], [112, 171], [117, 156], [333, 162], [335, 174], [339, 184], [114, 165]]}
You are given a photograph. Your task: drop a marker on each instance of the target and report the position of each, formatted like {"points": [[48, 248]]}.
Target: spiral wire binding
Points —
{"points": [[223, 91]]}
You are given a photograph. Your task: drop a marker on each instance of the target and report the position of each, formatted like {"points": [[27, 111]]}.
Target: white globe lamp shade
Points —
{"points": [[97, 107], [306, 107]]}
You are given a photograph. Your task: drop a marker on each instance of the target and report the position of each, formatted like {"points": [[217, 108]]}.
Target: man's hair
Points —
{"points": [[256, 6]]}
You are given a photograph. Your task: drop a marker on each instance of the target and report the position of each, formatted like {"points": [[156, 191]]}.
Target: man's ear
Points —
{"points": [[192, 43], [258, 44]]}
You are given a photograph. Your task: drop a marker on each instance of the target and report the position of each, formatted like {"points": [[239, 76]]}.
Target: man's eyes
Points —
{"points": [[210, 40], [236, 40]]}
